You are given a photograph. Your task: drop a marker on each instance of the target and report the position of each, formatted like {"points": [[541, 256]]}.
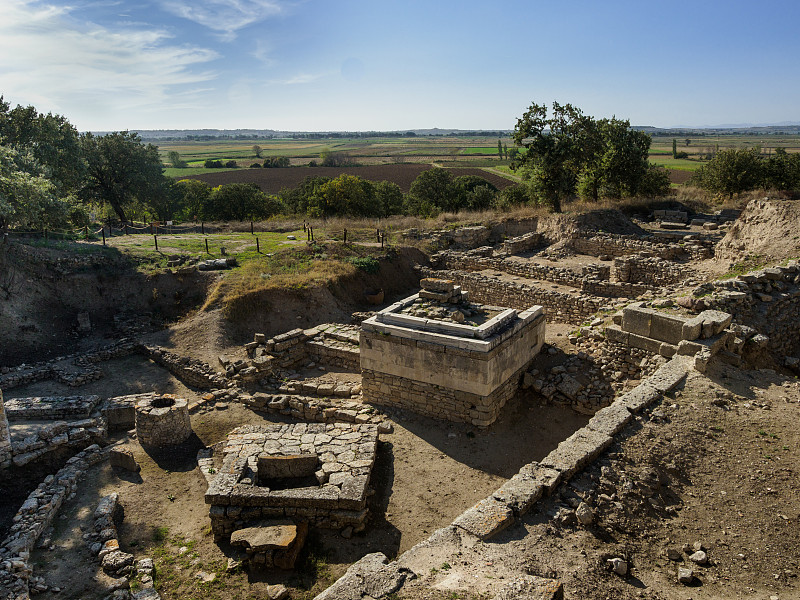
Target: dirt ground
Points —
{"points": [[714, 463], [427, 473]]}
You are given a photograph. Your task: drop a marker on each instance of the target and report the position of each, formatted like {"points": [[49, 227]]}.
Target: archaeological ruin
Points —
{"points": [[517, 393]]}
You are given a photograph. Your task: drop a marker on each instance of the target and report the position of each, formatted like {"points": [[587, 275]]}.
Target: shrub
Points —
{"points": [[210, 163]]}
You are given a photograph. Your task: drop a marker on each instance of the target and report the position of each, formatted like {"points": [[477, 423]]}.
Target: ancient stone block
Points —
{"points": [[279, 466], [487, 518], [123, 458]]}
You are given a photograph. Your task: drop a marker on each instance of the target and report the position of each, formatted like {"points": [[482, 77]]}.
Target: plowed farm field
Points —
{"points": [[272, 181]]}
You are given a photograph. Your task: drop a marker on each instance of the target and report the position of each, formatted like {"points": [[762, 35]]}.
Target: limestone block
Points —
{"points": [[520, 493], [577, 451], [637, 320], [667, 328], [645, 343], [124, 459], [437, 285], [370, 577], [639, 397], [487, 518], [611, 419], [282, 466], [569, 386]]}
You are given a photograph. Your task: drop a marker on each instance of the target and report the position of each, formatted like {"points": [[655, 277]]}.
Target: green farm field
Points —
{"points": [[467, 151]]}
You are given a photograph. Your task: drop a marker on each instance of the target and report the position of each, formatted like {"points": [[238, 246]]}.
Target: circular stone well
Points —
{"points": [[162, 421]]}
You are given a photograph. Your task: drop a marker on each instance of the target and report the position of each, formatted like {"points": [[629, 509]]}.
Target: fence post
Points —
{"points": [[155, 239], [202, 228], [251, 228], [104, 236], [345, 235], [207, 252], [258, 246]]}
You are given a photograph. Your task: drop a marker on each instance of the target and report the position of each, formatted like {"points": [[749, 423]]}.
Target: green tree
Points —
{"points": [[435, 190], [239, 202], [164, 200], [513, 195], [674, 148], [120, 169], [51, 140], [27, 199], [731, 171], [257, 150], [505, 150], [194, 196], [555, 148], [500, 149], [346, 195], [569, 152], [176, 161], [782, 170], [389, 197]]}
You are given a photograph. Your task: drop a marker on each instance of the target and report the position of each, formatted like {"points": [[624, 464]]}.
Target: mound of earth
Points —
{"points": [[766, 228], [560, 227]]}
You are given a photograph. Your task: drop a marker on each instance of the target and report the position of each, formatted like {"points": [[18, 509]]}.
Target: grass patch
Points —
{"points": [[752, 262]]}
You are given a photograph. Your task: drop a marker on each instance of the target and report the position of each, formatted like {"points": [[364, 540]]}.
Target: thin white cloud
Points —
{"points": [[51, 59], [300, 78], [223, 16]]}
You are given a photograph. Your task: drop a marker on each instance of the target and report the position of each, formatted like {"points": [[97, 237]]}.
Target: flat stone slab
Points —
{"points": [[487, 518], [577, 451], [268, 535], [272, 466], [370, 577], [611, 419]]}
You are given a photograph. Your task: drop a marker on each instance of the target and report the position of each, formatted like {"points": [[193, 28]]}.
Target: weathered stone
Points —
{"points": [[282, 466], [530, 587], [487, 518], [123, 458]]}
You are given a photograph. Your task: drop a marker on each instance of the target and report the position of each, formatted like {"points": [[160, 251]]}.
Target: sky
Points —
{"points": [[359, 65]]}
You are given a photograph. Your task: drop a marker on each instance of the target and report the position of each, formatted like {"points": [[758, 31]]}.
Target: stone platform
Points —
{"points": [[448, 370], [327, 491]]}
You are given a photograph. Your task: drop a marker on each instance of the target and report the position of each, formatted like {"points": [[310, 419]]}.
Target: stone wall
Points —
{"points": [[51, 407], [644, 268], [622, 245], [190, 371], [564, 308], [11, 377], [162, 421], [346, 455], [5, 437], [767, 300], [56, 437], [34, 516]]}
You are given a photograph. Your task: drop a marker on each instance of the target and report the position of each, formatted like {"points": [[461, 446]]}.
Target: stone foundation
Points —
{"points": [[565, 308], [452, 371], [162, 421], [335, 496], [436, 401]]}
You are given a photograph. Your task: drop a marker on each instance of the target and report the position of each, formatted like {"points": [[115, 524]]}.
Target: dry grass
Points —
{"points": [[295, 269]]}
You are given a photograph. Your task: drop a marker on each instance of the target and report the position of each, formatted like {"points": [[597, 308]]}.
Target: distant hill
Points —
{"points": [[261, 134]]}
